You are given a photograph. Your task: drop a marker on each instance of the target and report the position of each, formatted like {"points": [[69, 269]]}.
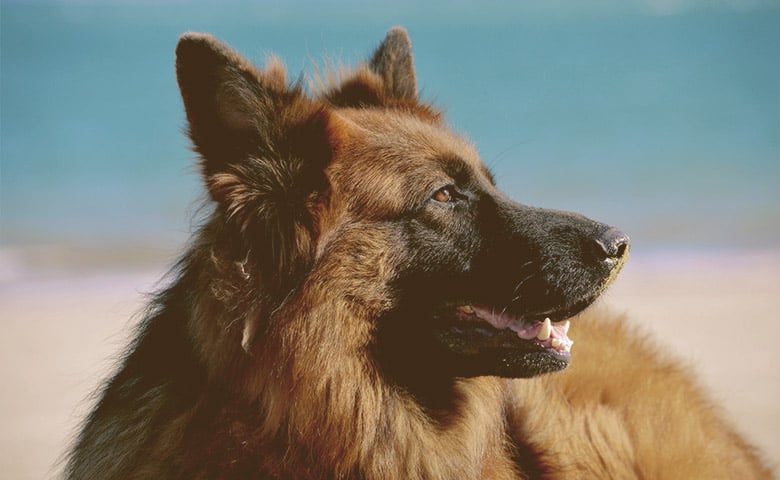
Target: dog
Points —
{"points": [[363, 302]]}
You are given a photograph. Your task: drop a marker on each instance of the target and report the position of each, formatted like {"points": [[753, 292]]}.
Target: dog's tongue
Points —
{"points": [[543, 333]]}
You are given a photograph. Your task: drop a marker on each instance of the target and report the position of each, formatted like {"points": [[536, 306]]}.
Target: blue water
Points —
{"points": [[666, 125]]}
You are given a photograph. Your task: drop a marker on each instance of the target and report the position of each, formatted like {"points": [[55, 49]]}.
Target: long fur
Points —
{"points": [[260, 359]]}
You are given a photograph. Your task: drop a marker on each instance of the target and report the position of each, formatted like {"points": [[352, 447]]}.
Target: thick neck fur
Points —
{"points": [[325, 398]]}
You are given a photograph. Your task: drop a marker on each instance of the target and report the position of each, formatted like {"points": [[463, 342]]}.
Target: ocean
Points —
{"points": [[663, 122]]}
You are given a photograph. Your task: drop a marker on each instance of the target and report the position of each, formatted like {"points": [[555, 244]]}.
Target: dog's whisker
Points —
{"points": [[523, 281]]}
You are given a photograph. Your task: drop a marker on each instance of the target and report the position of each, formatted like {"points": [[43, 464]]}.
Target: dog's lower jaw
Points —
{"points": [[485, 351]]}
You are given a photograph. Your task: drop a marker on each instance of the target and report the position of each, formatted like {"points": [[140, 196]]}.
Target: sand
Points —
{"points": [[65, 326]]}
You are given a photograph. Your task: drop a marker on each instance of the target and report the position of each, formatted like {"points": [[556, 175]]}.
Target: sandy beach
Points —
{"points": [[65, 325]]}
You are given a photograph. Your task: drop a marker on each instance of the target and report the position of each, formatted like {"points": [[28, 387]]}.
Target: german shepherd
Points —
{"points": [[364, 303]]}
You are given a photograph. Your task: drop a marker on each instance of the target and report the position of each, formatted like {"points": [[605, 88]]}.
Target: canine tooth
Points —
{"points": [[556, 342], [566, 326], [467, 309], [544, 332]]}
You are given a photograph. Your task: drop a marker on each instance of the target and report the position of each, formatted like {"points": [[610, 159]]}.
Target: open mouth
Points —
{"points": [[516, 344], [544, 334]]}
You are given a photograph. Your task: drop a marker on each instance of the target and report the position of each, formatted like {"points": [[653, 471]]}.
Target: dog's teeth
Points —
{"points": [[467, 309], [566, 326], [556, 342], [567, 346], [544, 332]]}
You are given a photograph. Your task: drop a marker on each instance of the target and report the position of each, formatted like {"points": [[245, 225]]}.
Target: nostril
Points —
{"points": [[622, 248], [613, 244]]}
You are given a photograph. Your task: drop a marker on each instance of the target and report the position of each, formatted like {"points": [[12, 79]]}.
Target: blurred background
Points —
{"points": [[659, 116]]}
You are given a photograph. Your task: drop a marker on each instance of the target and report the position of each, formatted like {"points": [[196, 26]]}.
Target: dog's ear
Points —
{"points": [[264, 146], [393, 62], [234, 110], [386, 81]]}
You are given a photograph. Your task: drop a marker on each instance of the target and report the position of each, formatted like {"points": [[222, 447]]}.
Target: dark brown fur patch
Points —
{"points": [[261, 359]]}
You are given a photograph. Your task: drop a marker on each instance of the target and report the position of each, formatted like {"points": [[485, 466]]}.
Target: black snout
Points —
{"points": [[543, 261], [612, 244]]}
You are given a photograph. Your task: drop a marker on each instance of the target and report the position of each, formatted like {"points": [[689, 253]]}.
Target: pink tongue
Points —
{"points": [[502, 320]]}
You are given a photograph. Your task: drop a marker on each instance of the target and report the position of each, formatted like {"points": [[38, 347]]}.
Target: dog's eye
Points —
{"points": [[445, 194]]}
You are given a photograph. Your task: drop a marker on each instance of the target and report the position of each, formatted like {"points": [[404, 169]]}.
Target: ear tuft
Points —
{"points": [[394, 63], [275, 73]]}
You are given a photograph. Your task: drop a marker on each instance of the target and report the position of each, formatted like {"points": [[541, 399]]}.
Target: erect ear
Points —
{"points": [[387, 80], [236, 111], [393, 62], [264, 147]]}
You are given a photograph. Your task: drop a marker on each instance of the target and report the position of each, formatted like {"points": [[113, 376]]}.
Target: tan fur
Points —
{"points": [[277, 342], [621, 411], [625, 408]]}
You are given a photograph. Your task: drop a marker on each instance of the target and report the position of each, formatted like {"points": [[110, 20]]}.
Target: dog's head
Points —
{"points": [[471, 282]]}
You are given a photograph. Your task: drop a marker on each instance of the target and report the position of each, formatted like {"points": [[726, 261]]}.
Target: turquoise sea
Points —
{"points": [[661, 117]]}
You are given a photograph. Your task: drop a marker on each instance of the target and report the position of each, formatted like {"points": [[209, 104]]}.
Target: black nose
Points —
{"points": [[612, 244]]}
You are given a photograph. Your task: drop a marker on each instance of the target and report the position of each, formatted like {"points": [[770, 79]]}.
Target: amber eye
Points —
{"points": [[445, 194]]}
